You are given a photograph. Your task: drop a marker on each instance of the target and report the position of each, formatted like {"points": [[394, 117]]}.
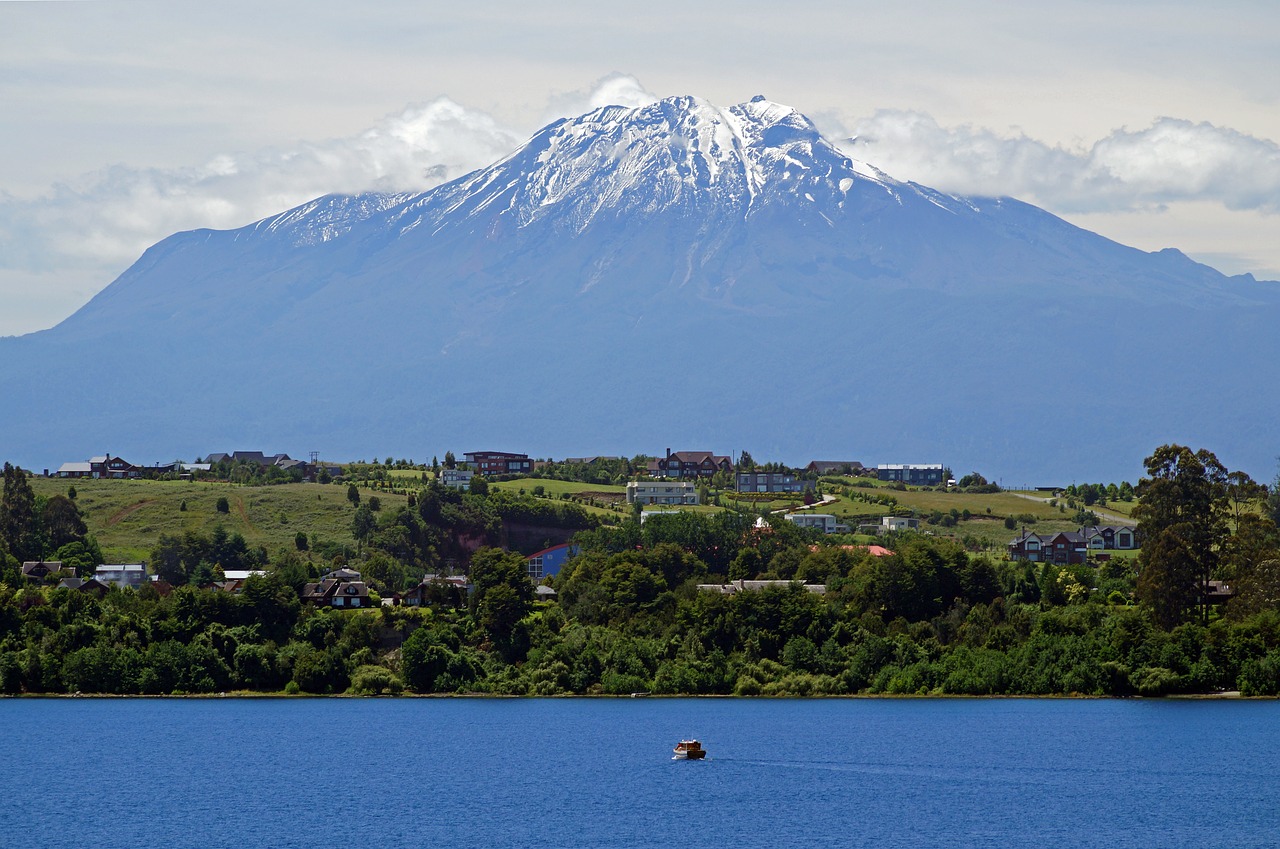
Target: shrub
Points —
{"points": [[371, 680], [223, 506]]}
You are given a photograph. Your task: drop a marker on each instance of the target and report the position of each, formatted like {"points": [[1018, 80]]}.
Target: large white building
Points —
{"points": [[824, 522], [661, 492]]}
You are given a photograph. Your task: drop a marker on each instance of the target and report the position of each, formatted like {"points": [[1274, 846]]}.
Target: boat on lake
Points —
{"points": [[689, 750]]}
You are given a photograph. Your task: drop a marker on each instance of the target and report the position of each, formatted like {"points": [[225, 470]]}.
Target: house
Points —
{"points": [[339, 588], [1216, 593], [41, 571], [1111, 537], [432, 588], [498, 462], [104, 466], [661, 492], [735, 587], [915, 474], [1072, 546], [824, 522], [771, 482], [547, 562], [1064, 547], [459, 479], [689, 464], [121, 574], [834, 467], [898, 523], [92, 585], [264, 461]]}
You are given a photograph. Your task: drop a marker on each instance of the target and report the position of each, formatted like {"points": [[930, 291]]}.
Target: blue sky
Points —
{"points": [[1156, 124]]}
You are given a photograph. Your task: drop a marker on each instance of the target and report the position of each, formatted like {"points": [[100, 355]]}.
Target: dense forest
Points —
{"points": [[628, 616]]}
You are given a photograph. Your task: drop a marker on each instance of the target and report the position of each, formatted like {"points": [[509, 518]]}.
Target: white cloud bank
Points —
{"points": [[1171, 161], [111, 216], [72, 240]]}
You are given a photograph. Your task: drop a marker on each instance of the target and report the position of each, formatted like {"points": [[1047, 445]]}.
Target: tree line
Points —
{"points": [[629, 615]]}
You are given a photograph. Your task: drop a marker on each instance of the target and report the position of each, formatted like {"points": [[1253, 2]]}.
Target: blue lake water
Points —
{"points": [[597, 773]]}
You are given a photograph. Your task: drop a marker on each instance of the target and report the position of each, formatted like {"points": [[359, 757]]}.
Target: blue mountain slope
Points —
{"points": [[672, 275]]}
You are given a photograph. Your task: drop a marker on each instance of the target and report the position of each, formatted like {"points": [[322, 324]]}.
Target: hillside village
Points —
{"points": [[437, 539], [654, 486]]}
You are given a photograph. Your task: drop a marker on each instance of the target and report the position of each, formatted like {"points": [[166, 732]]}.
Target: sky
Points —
{"points": [[1156, 124]]}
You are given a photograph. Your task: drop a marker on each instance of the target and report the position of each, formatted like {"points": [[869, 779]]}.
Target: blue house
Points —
{"points": [[548, 561]]}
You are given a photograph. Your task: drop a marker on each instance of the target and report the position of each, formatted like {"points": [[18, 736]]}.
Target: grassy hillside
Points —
{"points": [[128, 517], [597, 499], [987, 511]]}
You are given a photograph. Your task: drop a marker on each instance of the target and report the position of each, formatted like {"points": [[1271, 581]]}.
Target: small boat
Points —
{"points": [[689, 750]]}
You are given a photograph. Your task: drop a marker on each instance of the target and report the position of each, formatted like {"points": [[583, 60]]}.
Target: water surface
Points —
{"points": [[597, 773]]}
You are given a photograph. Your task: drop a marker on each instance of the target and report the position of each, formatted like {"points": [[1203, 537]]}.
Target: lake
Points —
{"points": [[598, 773]]}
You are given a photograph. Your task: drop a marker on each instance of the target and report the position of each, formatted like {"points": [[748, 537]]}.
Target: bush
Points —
{"points": [[223, 506], [1155, 681], [370, 680]]}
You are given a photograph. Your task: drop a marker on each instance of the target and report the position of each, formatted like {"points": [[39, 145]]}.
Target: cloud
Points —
{"points": [[111, 216], [1171, 161], [614, 89]]}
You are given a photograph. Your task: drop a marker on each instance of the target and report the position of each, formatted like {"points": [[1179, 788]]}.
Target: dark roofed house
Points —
{"points": [[834, 467], [689, 464], [339, 588], [1111, 537], [41, 571], [92, 585], [265, 461], [1064, 547], [498, 462]]}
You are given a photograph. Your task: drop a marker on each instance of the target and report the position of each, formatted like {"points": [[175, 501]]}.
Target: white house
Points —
{"points": [[661, 492], [456, 478], [824, 522], [121, 574]]}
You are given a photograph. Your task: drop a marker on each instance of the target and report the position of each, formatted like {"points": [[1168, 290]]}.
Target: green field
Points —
{"points": [[597, 499], [987, 510], [557, 488], [128, 516]]}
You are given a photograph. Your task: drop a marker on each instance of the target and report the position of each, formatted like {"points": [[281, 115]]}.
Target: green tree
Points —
{"points": [[353, 495], [1181, 519], [223, 506], [62, 522], [503, 593], [363, 523], [479, 486], [19, 525]]}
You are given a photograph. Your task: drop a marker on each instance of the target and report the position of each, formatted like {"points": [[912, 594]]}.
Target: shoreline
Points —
{"points": [[1228, 695]]}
